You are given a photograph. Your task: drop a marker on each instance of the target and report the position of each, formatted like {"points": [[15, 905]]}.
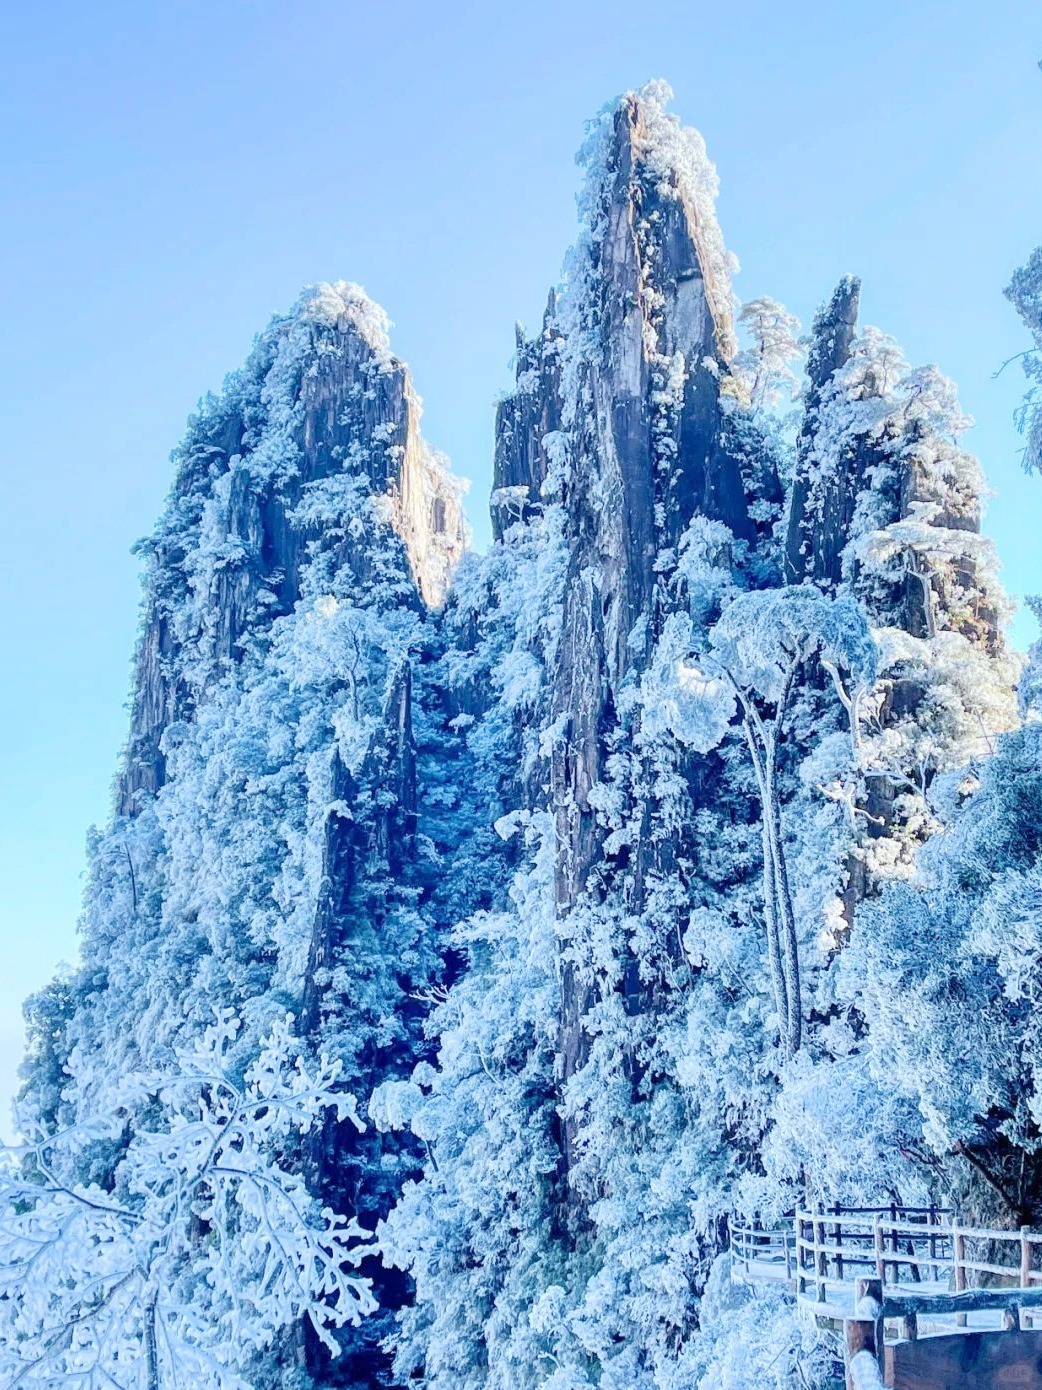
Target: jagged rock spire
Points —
{"points": [[814, 543], [641, 336], [526, 419], [835, 325], [647, 329], [321, 397]]}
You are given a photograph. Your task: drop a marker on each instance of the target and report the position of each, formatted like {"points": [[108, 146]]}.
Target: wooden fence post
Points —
{"points": [[959, 1256], [839, 1243], [821, 1260], [1025, 1258], [877, 1231], [863, 1333], [931, 1220]]}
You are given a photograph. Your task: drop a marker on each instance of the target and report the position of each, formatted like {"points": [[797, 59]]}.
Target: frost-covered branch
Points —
{"points": [[208, 1246], [1024, 292]]}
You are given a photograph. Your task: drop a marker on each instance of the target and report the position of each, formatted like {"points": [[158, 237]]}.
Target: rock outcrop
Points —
{"points": [[819, 529], [321, 394]]}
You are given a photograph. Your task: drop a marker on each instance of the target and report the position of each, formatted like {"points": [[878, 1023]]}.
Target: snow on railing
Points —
{"points": [[889, 1274], [763, 1254], [864, 1372], [833, 1247], [907, 1360]]}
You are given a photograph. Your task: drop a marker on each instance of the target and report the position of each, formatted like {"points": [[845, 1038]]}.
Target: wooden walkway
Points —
{"points": [[902, 1286]]}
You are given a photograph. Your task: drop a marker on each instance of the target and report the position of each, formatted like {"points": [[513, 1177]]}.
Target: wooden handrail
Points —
{"points": [[903, 1305], [825, 1256], [938, 1220], [752, 1245], [864, 1328], [867, 1261], [899, 1247], [983, 1233]]}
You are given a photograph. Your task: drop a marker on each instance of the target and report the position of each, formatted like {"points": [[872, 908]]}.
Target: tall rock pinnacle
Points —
{"points": [[618, 420], [321, 402], [814, 545], [648, 330]]}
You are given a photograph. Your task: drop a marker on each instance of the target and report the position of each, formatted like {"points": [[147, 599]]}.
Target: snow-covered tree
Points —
{"points": [[944, 969], [759, 652], [766, 368], [197, 1248], [1024, 292], [763, 645]]}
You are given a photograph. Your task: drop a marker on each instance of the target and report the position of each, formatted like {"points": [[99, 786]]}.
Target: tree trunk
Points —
{"points": [[151, 1349], [775, 894], [786, 914], [770, 912], [789, 939]]}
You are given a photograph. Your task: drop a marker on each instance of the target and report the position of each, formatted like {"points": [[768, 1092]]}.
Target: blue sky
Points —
{"points": [[174, 173]]}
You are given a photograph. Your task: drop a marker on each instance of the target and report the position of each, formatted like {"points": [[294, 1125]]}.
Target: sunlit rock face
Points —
{"points": [[321, 398]]}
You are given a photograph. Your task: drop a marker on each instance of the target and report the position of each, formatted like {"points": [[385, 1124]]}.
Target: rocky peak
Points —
{"points": [[314, 445], [647, 327], [526, 419], [818, 530], [832, 335], [883, 496]]}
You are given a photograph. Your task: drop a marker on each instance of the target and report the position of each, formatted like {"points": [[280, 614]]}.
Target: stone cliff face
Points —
{"points": [[818, 531], [526, 420], [624, 415], [278, 842], [886, 505], [322, 389], [649, 333], [896, 463]]}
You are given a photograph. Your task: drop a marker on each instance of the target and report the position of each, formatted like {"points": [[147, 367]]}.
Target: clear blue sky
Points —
{"points": [[173, 173]]}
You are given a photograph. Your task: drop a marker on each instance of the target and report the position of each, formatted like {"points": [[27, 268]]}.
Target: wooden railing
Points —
{"points": [[871, 1363], [763, 1254], [835, 1246], [900, 1246], [905, 1270], [1020, 1267]]}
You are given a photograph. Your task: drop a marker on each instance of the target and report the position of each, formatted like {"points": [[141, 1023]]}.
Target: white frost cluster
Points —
{"points": [[345, 305], [206, 1249]]}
